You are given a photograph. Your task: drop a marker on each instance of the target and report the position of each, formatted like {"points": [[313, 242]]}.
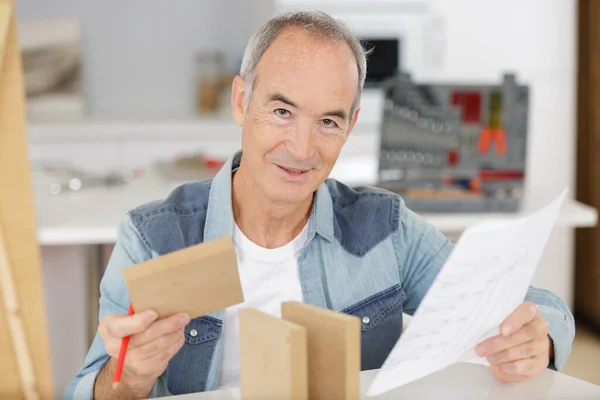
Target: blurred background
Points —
{"points": [[472, 109]]}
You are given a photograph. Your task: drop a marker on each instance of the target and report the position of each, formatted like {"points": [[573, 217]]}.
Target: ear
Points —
{"points": [[353, 120], [238, 100]]}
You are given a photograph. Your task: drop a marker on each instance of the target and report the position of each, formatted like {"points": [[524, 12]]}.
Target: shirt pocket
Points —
{"points": [[381, 324], [188, 369]]}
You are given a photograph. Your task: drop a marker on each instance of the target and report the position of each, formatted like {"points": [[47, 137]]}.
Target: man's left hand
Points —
{"points": [[523, 349]]}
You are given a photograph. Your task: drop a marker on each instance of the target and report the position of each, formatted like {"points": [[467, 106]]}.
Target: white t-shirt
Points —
{"points": [[268, 277]]}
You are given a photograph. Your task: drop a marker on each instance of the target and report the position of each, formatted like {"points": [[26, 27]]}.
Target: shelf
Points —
{"points": [[573, 215], [92, 216], [81, 225], [105, 129], [219, 126]]}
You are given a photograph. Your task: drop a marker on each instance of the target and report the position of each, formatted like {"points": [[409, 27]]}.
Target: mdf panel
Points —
{"points": [[23, 324]]}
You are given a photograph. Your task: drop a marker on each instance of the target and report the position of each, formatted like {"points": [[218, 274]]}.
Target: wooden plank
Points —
{"points": [[197, 280], [14, 320], [272, 358], [17, 218], [333, 343], [9, 369], [10, 385], [587, 245]]}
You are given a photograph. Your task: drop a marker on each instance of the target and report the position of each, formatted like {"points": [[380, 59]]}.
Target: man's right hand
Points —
{"points": [[152, 344]]}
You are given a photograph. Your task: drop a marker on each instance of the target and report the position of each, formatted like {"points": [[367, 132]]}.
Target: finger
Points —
{"points": [[522, 351], [535, 329], [173, 348], [157, 363], [158, 346], [119, 326], [159, 328], [162, 360], [524, 314], [528, 366], [112, 346]]}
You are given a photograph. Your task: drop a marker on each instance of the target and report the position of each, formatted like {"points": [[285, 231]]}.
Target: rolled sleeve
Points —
{"points": [[560, 333], [560, 321], [84, 389]]}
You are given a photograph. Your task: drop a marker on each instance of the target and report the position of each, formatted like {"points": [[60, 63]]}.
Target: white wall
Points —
{"points": [[139, 54], [536, 39]]}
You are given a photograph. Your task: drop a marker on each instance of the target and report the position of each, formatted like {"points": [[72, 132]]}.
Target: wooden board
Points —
{"points": [[587, 245], [333, 343], [272, 358], [17, 219], [197, 280], [10, 385]]}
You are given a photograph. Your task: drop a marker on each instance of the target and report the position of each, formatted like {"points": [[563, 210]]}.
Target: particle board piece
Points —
{"points": [[273, 352], [197, 280], [23, 331], [333, 343]]}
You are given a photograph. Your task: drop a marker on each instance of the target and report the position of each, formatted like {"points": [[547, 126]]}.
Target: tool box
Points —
{"points": [[454, 147]]}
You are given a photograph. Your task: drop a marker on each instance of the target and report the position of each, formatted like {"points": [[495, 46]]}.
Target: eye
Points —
{"points": [[329, 123], [282, 112]]}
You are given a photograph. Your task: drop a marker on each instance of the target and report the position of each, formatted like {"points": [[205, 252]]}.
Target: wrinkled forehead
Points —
{"points": [[316, 73]]}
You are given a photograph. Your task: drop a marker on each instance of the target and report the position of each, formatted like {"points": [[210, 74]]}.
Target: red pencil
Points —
{"points": [[122, 351]]}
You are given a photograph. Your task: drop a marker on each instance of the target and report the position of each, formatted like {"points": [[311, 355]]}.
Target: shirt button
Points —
{"points": [[193, 333], [366, 320]]}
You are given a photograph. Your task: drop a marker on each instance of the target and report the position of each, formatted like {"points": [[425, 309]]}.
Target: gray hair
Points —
{"points": [[317, 23]]}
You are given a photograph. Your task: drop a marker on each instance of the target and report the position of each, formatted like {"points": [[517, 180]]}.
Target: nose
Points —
{"points": [[302, 144]]}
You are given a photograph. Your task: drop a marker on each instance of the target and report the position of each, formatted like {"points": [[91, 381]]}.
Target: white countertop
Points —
{"points": [[460, 381], [92, 215]]}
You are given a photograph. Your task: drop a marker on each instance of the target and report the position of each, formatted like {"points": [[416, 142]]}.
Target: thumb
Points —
{"points": [[119, 326], [524, 314]]}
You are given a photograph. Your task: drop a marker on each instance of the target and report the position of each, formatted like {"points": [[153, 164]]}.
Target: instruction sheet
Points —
{"points": [[483, 281]]}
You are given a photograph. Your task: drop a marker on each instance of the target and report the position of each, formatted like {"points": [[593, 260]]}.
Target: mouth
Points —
{"points": [[293, 171]]}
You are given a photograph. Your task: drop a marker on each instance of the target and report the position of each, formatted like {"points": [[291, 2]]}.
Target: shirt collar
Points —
{"points": [[219, 216]]}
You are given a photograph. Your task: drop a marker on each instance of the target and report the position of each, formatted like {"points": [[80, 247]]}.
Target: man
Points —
{"points": [[297, 235]]}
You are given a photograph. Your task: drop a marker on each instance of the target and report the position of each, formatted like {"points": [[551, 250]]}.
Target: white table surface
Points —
{"points": [[91, 216], [460, 381]]}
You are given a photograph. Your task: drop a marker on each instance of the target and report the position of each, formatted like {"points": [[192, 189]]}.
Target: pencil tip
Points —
{"points": [[115, 385]]}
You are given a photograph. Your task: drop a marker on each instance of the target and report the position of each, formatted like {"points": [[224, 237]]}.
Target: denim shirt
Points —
{"points": [[366, 255]]}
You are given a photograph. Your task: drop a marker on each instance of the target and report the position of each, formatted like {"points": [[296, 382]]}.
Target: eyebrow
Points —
{"points": [[282, 98], [334, 113], [337, 113]]}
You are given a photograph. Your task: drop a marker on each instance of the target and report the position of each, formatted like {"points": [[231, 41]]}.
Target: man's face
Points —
{"points": [[298, 117]]}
